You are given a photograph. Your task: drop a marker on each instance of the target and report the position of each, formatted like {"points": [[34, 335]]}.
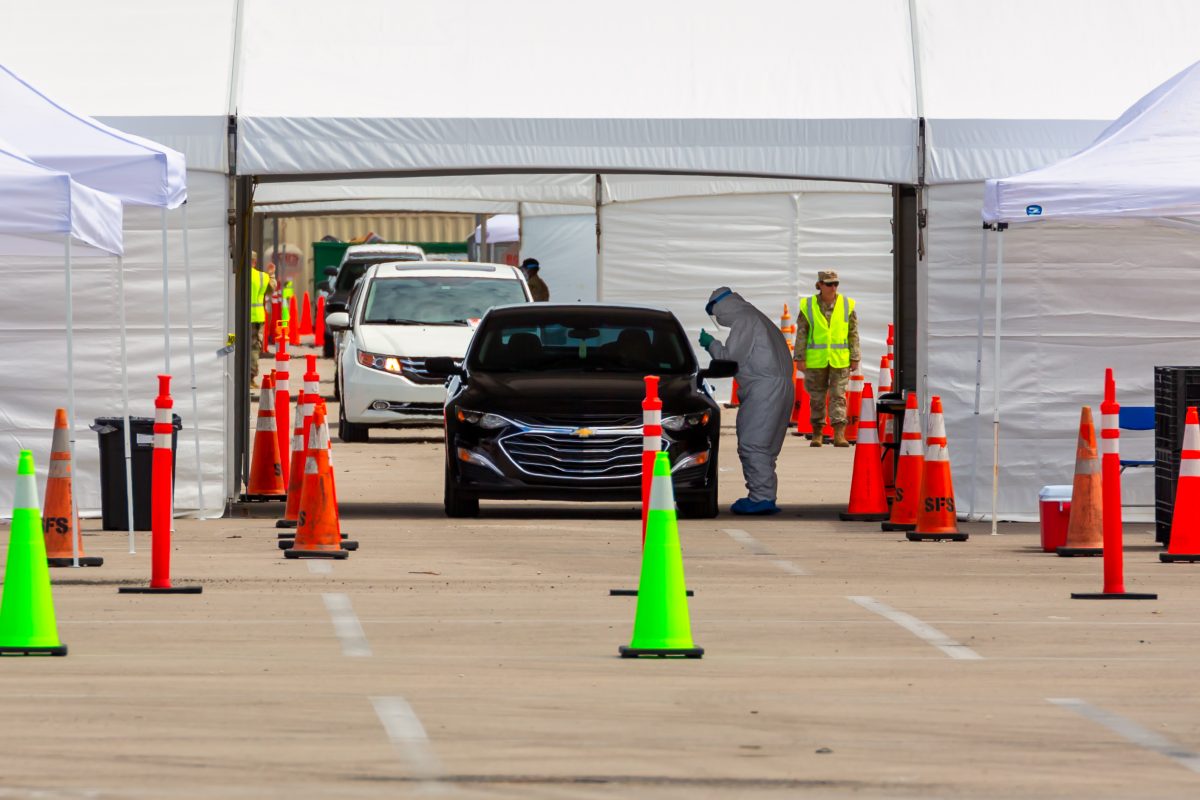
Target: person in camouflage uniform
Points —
{"points": [[537, 287], [827, 351]]}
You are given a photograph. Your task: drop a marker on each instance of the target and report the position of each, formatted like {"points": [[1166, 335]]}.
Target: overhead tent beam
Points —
{"points": [[577, 170]]}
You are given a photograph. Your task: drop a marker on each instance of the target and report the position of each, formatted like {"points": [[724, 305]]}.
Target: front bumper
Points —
{"points": [[364, 386]]}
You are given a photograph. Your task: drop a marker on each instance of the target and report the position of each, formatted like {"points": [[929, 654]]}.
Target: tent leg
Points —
{"points": [[978, 370], [996, 378], [599, 249], [166, 300], [71, 395], [187, 281], [125, 401]]}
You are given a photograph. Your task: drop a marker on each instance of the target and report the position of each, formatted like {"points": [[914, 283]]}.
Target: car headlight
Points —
{"points": [[484, 420], [684, 421], [379, 362]]}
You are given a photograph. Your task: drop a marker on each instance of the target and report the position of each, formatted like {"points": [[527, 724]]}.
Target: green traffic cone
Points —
{"points": [[662, 627], [27, 625]]}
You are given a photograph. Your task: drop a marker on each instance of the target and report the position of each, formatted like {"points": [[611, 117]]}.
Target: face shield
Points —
{"points": [[708, 307]]}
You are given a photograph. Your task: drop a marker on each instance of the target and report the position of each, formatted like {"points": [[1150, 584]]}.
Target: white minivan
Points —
{"points": [[402, 314]]}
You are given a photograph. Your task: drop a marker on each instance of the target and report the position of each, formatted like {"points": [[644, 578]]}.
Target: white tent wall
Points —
{"points": [[33, 336], [673, 253], [565, 246], [1077, 299]]}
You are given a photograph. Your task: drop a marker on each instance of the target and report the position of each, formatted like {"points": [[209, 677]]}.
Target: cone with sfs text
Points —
{"points": [[909, 471], [887, 432], [867, 501], [266, 470], [936, 516], [662, 627], [27, 623], [1184, 544], [854, 394], [305, 407], [1085, 523], [801, 410], [318, 534], [64, 541]]}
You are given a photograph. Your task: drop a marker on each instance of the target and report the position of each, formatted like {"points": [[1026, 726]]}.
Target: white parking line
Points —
{"points": [[407, 734], [788, 567], [346, 625], [319, 567], [923, 631], [749, 542], [1130, 730]]}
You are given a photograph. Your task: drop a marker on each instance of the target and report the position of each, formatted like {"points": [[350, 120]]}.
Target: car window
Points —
{"points": [[436, 300], [352, 270], [582, 345]]}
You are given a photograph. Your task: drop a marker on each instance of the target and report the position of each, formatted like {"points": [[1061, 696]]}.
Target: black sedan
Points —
{"points": [[546, 405]]}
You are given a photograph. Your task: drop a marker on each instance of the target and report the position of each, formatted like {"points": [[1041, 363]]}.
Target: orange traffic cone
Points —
{"points": [[854, 404], [867, 501], [1085, 525], [1184, 544], [293, 322], [319, 533], [887, 433], [908, 476], [787, 327], [936, 518], [266, 472], [60, 526], [801, 411], [733, 396], [305, 406], [306, 327]]}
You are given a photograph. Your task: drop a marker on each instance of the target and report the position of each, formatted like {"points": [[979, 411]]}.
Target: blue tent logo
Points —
{"points": [[1033, 211]]}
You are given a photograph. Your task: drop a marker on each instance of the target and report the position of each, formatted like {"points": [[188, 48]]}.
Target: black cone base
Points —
{"points": [[1113, 596], [84, 561], [157, 590], [846, 516], [636, 652], [290, 542], [61, 650], [1171, 558], [285, 523], [1068, 552], [338, 554], [261, 498], [953, 536], [898, 526], [634, 593]]}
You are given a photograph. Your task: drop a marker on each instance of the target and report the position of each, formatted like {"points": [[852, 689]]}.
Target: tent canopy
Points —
{"points": [[43, 205], [1146, 164], [134, 169]]}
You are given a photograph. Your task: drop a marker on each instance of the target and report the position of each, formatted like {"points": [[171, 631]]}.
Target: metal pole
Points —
{"points": [[71, 400], [978, 371], [166, 300], [484, 253], [996, 378], [599, 229], [125, 401], [187, 280]]}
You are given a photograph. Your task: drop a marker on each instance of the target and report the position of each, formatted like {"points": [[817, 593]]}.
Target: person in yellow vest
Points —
{"points": [[261, 285], [287, 294], [827, 351]]}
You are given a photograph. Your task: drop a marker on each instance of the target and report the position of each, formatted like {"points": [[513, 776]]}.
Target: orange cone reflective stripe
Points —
{"points": [[60, 525], [1085, 525], [867, 501]]}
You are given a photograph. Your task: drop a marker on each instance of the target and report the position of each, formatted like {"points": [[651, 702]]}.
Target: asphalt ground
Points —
{"points": [[478, 658]]}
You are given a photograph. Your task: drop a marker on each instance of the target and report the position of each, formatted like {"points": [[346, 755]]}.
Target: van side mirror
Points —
{"points": [[719, 368], [337, 321], [330, 271], [443, 367]]}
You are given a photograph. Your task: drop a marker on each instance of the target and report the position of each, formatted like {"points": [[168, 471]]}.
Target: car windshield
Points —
{"points": [[352, 270], [414, 300], [583, 345]]}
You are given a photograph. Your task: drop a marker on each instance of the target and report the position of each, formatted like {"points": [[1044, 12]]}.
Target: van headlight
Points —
{"points": [[379, 362], [685, 421], [484, 420]]}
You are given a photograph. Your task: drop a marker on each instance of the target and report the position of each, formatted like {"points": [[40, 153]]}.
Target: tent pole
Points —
{"points": [[996, 377], [166, 300], [125, 401], [187, 282], [71, 398], [978, 370], [599, 250]]}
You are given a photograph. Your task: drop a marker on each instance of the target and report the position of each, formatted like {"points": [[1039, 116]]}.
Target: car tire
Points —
{"points": [[350, 432], [700, 506], [457, 502]]}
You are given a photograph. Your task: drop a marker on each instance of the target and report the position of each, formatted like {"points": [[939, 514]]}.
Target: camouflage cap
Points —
{"points": [[826, 275]]}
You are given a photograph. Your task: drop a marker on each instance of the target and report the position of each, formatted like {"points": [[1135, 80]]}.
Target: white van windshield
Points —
{"points": [[436, 300]]}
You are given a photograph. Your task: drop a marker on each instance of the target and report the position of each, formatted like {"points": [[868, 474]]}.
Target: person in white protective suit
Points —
{"points": [[765, 392]]}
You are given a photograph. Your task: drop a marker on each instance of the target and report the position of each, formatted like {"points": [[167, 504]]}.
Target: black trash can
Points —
{"points": [[113, 503]]}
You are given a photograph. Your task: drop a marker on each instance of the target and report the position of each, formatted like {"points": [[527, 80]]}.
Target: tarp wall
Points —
{"points": [[565, 246]]}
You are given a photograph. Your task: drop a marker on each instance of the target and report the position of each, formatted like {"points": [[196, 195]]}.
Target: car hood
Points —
{"points": [[416, 341], [584, 393]]}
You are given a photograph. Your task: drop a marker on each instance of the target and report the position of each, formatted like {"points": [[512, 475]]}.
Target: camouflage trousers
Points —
{"points": [[831, 382], [256, 334]]}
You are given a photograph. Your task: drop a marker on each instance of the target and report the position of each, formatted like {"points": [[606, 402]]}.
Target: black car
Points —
{"points": [[546, 405]]}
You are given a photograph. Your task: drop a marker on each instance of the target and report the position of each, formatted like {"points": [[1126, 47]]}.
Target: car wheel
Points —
{"points": [[350, 432], [700, 506], [457, 502]]}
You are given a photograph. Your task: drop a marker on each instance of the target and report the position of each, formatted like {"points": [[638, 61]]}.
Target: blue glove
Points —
{"points": [[705, 338]]}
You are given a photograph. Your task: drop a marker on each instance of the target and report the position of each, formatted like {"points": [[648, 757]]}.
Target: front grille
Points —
{"points": [[414, 370], [606, 454]]}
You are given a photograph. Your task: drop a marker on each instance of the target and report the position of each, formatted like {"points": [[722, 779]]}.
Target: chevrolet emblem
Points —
{"points": [[584, 433]]}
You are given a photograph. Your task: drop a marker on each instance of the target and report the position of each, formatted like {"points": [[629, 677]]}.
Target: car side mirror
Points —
{"points": [[338, 321], [443, 367], [719, 368], [331, 271]]}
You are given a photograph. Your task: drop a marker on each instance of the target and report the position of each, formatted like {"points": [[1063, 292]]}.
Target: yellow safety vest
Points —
{"points": [[259, 281], [828, 341], [285, 309]]}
